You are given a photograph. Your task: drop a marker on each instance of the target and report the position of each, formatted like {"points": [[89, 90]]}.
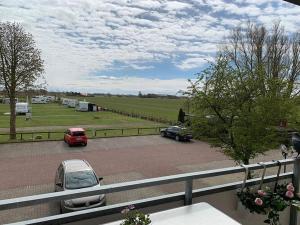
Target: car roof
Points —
{"points": [[177, 127], [74, 129], [75, 165]]}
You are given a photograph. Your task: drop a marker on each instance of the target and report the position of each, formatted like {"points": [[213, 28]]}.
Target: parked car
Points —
{"points": [[179, 133], [75, 136], [77, 174]]}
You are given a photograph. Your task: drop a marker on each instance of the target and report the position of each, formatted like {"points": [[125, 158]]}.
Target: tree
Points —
{"points": [[20, 64], [250, 88], [181, 116]]}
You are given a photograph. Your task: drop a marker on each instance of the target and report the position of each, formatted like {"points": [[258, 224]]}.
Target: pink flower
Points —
{"points": [[131, 207], [290, 187], [289, 194], [261, 193], [258, 201], [126, 210]]}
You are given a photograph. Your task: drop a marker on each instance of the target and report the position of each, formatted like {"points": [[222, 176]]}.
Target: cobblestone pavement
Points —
{"points": [[29, 168]]}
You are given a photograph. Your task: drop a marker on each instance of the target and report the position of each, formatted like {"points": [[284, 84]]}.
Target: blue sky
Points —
{"points": [[126, 46]]}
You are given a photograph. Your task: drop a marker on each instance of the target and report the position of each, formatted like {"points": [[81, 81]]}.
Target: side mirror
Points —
{"points": [[59, 184], [100, 178]]}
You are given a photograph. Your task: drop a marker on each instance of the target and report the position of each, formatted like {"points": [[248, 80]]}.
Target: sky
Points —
{"points": [[127, 46]]}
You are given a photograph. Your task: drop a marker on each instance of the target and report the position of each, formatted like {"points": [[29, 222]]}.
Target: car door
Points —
{"points": [[170, 132], [59, 179]]}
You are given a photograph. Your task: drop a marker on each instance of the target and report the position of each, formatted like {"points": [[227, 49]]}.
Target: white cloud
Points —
{"points": [[194, 62], [80, 37]]}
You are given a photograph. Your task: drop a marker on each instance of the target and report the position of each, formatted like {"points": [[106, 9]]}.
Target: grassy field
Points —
{"points": [[152, 107], [57, 115]]}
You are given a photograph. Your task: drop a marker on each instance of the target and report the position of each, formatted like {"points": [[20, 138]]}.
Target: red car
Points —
{"points": [[75, 136]]}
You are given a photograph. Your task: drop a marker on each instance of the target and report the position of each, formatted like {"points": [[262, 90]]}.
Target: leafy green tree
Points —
{"points": [[181, 116], [20, 64], [250, 88]]}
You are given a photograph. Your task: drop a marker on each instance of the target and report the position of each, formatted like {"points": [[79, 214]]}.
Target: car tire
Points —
{"points": [[70, 145], [162, 134], [84, 144], [177, 138]]}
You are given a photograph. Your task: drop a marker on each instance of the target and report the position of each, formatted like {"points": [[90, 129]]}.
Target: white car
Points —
{"points": [[77, 174]]}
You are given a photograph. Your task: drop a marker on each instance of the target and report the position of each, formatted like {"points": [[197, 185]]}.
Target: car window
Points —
{"points": [[174, 129], [80, 179], [78, 133]]}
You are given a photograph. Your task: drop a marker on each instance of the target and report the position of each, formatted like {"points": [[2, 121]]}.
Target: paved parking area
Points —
{"points": [[29, 168]]}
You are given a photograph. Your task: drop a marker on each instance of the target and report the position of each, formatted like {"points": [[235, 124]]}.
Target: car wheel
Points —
{"points": [[162, 134], [70, 145], [85, 144], [177, 138]]}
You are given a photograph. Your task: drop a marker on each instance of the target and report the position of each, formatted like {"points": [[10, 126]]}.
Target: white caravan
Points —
{"points": [[72, 103], [22, 108], [83, 106], [39, 100], [50, 98], [7, 100], [65, 101]]}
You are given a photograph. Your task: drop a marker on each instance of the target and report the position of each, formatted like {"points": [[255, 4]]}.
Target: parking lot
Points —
{"points": [[29, 168]]}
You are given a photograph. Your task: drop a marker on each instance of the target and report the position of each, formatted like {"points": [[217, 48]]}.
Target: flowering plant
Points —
{"points": [[134, 217], [269, 202]]}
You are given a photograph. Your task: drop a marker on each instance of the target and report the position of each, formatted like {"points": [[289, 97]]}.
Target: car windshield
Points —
{"points": [[80, 179], [78, 133]]}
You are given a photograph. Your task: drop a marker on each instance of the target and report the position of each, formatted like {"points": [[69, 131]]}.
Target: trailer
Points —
{"points": [[82, 106], [51, 98], [22, 108], [39, 100], [65, 101], [72, 103], [7, 100]]}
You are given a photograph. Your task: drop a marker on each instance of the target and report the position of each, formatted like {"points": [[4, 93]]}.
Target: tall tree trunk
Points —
{"points": [[12, 116]]}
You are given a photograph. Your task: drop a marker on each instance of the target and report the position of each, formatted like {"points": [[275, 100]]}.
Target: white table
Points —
{"points": [[196, 214]]}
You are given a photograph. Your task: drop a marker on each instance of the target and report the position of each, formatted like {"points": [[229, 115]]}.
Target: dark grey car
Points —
{"points": [[77, 174], [176, 132]]}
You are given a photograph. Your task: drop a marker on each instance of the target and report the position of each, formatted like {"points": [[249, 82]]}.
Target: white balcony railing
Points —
{"points": [[186, 197]]}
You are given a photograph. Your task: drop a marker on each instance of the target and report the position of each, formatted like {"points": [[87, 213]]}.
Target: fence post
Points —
{"points": [[32, 136], [48, 135], [122, 131], [188, 197], [296, 180], [21, 137]]}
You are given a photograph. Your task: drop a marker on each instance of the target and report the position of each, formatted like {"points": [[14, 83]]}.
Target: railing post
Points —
{"points": [[296, 180], [122, 131], [188, 197], [48, 135], [138, 130]]}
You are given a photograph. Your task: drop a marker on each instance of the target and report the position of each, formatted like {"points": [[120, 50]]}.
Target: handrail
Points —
{"points": [[163, 199], [42, 198]]}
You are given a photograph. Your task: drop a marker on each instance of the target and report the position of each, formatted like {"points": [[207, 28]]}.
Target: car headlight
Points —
{"points": [[68, 203]]}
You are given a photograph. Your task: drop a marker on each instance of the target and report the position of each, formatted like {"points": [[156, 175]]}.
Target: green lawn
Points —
{"points": [[152, 107], [58, 115]]}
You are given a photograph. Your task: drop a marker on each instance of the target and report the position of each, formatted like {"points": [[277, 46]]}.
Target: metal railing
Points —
{"points": [[186, 196], [91, 133]]}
